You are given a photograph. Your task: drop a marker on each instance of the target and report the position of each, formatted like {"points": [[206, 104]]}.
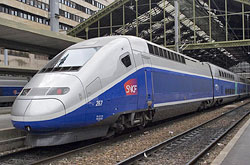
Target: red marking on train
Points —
{"points": [[59, 91], [131, 87], [15, 92]]}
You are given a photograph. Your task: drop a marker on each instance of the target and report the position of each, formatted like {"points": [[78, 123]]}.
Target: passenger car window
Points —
{"points": [[150, 48], [178, 58], [156, 50], [183, 60], [175, 57], [165, 53], [171, 56], [161, 52], [126, 61]]}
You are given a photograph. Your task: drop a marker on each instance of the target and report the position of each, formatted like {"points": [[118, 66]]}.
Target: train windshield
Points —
{"points": [[70, 60]]}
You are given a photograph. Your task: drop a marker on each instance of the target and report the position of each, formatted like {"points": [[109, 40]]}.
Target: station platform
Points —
{"points": [[5, 110], [237, 151], [5, 121]]}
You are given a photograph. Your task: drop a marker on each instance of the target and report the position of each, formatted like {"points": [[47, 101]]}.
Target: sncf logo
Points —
{"points": [[131, 87]]}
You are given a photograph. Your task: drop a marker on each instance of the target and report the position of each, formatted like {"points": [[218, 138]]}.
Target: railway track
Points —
{"points": [[189, 146], [43, 155]]}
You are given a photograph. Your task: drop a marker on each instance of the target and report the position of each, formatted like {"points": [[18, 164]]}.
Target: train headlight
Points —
{"points": [[58, 91], [28, 128], [25, 92]]}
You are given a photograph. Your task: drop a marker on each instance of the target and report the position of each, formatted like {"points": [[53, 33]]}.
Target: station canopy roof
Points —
{"points": [[209, 32], [19, 36]]}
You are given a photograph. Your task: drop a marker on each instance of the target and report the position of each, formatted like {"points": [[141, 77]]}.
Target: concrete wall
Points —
{"points": [[31, 62]]}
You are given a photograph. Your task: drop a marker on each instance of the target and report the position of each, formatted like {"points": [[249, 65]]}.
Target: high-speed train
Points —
{"points": [[10, 87], [104, 85]]}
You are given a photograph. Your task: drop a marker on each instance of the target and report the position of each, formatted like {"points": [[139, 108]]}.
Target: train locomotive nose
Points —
{"points": [[38, 115]]}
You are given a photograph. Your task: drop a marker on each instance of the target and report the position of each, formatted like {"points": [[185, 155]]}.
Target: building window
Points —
{"points": [[36, 3], [24, 14]]}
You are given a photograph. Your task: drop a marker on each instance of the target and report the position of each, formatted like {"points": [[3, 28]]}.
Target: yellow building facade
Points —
{"points": [[36, 12]]}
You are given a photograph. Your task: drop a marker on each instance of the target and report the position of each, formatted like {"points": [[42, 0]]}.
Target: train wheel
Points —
{"points": [[110, 134], [143, 122]]}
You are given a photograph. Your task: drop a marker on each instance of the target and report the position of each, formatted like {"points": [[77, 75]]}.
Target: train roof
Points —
{"points": [[220, 68], [136, 44], [101, 41], [96, 42]]}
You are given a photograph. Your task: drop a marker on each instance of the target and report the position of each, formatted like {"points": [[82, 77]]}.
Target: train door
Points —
{"points": [[236, 88], [148, 77]]}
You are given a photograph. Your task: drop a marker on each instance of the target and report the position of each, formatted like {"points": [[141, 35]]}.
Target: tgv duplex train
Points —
{"points": [[105, 85], [10, 87]]}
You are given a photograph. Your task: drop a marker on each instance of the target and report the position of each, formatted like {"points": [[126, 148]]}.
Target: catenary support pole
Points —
{"points": [[6, 61], [137, 24], [123, 19], [209, 20], [99, 30], [54, 15], [194, 20], [164, 17], [226, 20], [243, 21], [176, 5], [87, 32], [111, 23], [150, 22]]}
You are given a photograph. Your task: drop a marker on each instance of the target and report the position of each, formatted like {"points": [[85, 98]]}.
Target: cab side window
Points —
{"points": [[126, 61]]}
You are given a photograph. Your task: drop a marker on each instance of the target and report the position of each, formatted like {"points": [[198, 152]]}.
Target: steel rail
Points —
{"points": [[17, 151], [62, 155]]}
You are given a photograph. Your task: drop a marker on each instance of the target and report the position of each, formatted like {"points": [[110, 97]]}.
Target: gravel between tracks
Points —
{"points": [[111, 153]]}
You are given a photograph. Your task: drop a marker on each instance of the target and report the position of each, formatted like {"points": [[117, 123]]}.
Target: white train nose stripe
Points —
{"points": [[40, 110], [37, 118], [19, 107]]}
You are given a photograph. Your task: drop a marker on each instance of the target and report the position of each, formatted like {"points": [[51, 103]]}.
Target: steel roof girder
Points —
{"points": [[97, 16], [247, 2], [213, 45]]}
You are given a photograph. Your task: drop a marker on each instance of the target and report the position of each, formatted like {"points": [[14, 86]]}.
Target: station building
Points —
{"points": [[36, 13]]}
